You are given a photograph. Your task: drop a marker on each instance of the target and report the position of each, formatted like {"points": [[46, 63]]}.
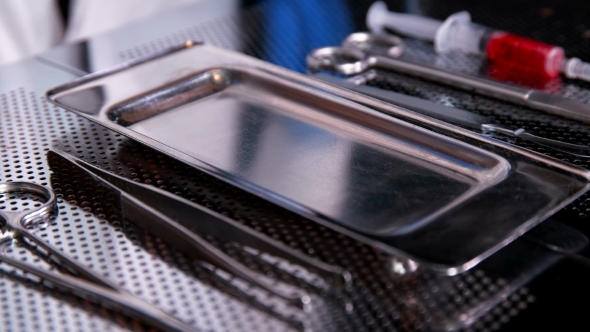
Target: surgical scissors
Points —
{"points": [[364, 51], [19, 223]]}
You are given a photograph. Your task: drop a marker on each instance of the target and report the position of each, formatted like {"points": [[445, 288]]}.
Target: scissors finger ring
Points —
{"points": [[16, 217]]}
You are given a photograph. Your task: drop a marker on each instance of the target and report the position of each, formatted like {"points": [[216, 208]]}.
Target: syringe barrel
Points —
{"points": [[458, 33], [503, 47]]}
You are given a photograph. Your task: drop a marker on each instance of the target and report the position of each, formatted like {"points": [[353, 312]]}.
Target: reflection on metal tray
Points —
{"points": [[297, 142], [511, 268]]}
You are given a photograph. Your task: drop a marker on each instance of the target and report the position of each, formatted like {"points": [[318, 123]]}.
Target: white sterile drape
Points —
{"points": [[28, 27], [91, 17]]}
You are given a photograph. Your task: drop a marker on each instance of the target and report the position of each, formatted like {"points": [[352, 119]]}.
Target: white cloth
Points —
{"points": [[28, 27], [91, 17]]}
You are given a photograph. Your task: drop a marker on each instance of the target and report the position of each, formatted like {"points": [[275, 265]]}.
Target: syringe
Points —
{"points": [[458, 33]]}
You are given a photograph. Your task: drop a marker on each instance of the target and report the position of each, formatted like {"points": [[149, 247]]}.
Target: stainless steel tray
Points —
{"points": [[314, 149]]}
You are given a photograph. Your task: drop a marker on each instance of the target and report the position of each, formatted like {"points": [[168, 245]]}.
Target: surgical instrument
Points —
{"points": [[169, 216], [361, 51], [452, 115], [19, 223]]}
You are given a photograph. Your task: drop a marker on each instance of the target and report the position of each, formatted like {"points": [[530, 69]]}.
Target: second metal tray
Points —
{"points": [[298, 143]]}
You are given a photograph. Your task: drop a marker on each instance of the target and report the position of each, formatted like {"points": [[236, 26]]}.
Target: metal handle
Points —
{"points": [[95, 284], [339, 59], [21, 218]]}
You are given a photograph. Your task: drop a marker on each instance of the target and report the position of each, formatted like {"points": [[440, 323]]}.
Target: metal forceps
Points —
{"points": [[18, 224], [170, 217], [363, 51]]}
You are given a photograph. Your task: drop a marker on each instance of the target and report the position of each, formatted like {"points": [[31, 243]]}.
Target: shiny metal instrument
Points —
{"points": [[171, 217], [362, 51], [450, 114], [19, 224]]}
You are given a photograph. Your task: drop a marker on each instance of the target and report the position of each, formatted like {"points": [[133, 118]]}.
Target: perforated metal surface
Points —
{"points": [[89, 228]]}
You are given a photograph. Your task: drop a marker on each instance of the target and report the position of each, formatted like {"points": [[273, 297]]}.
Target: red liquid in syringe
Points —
{"points": [[524, 52]]}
